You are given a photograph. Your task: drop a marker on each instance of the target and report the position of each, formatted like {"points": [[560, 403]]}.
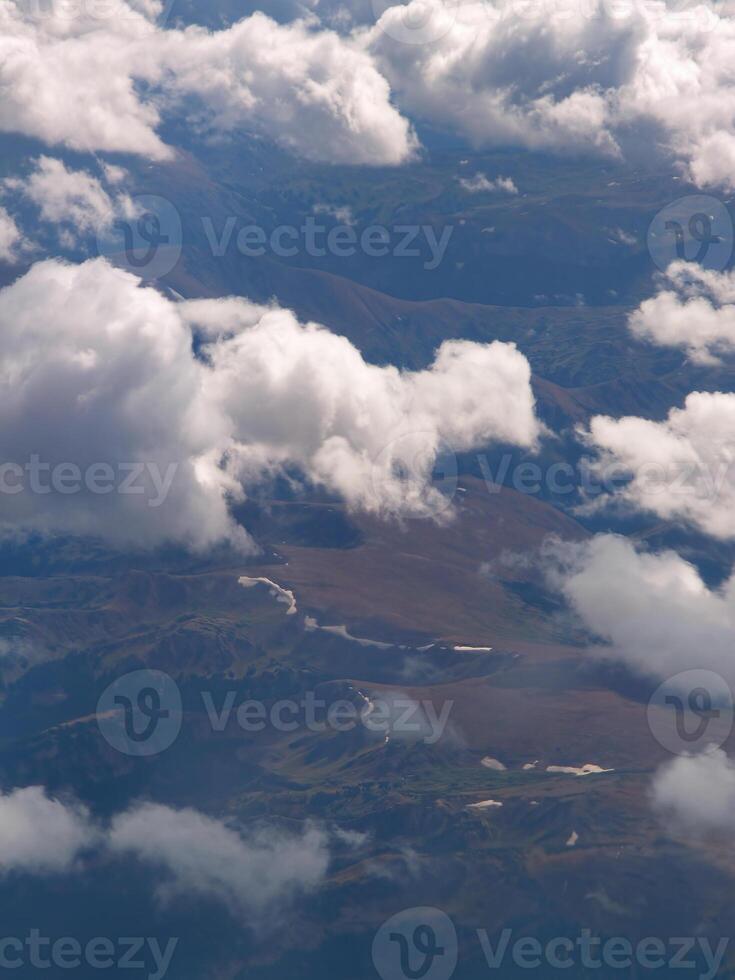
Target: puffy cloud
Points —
{"points": [[254, 874], [10, 238], [339, 15], [97, 371], [113, 173], [697, 793], [567, 76], [72, 198], [69, 76], [300, 395], [42, 835], [217, 319], [509, 72], [693, 309], [651, 610], [502, 72], [680, 468], [480, 183], [312, 91]]}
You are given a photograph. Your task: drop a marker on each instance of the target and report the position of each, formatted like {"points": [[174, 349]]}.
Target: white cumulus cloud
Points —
{"points": [[680, 468], [694, 309], [10, 238], [255, 874], [652, 611], [97, 370], [301, 395], [507, 72], [42, 835], [102, 79], [335, 85], [198, 854], [71, 198], [568, 76], [697, 793], [313, 92]]}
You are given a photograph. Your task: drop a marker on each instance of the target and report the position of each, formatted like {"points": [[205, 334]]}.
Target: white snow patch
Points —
{"points": [[312, 624], [277, 591], [587, 769], [491, 763]]}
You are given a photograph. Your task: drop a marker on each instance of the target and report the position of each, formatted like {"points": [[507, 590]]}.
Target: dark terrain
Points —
{"points": [[74, 615]]}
